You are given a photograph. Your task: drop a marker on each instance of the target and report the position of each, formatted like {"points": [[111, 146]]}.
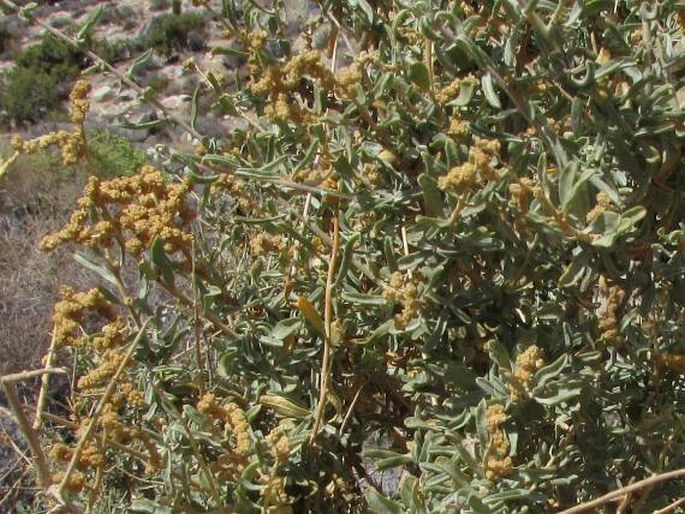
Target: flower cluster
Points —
{"points": [[236, 428], [132, 211], [475, 171], [603, 204], [405, 290], [497, 462], [527, 363], [72, 145], [71, 311], [609, 311]]}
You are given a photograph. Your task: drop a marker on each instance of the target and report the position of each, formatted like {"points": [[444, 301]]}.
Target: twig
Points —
{"points": [[350, 409], [25, 375], [45, 384], [669, 509], [328, 320], [40, 462], [197, 328], [647, 482]]}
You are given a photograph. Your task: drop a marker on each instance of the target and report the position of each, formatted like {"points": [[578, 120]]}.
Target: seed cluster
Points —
{"points": [[609, 313], [476, 171], [72, 145], [497, 463], [235, 428], [527, 363], [405, 290], [132, 211]]}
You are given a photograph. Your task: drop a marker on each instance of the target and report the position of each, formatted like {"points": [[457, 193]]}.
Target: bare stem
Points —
{"points": [[647, 482], [328, 320], [31, 436]]}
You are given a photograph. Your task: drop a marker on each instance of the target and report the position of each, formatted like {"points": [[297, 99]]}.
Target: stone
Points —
{"points": [[102, 93]]}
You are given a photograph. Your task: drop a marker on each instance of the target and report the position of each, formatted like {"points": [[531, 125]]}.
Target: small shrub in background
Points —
{"points": [[458, 257], [39, 81], [170, 32]]}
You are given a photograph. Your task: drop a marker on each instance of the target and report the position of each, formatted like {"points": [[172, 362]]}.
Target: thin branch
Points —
{"points": [[40, 461], [647, 482], [26, 375], [328, 321]]}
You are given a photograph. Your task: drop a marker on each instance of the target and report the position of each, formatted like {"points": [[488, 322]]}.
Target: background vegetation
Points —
{"points": [[438, 268]]}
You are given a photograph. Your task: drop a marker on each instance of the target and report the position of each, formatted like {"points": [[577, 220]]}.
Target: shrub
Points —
{"points": [[444, 277], [40, 80], [29, 94], [114, 155], [171, 32]]}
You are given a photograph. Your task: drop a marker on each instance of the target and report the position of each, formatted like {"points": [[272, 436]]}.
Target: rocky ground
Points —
{"points": [[114, 104]]}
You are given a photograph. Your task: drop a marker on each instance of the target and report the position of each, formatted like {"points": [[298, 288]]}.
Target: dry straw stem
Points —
{"points": [[44, 385], [40, 461], [642, 484], [328, 320]]}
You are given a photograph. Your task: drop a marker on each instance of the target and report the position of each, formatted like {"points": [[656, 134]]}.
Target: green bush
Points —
{"points": [[29, 94], [40, 80], [114, 155], [445, 277], [52, 56], [171, 32]]}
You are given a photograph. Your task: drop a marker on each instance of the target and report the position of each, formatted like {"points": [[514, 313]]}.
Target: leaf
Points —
{"points": [[553, 370], [489, 91], [379, 504], [161, 261], [283, 406], [286, 328], [432, 199], [418, 74], [466, 90], [99, 268], [366, 9], [194, 106], [311, 314], [149, 507], [93, 18]]}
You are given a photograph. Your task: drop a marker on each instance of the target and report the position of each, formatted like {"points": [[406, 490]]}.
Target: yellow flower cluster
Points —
{"points": [[527, 363], [71, 145], [79, 101], [71, 311], [131, 210], [279, 445], [497, 462], [401, 288], [520, 194], [229, 464], [236, 187], [100, 375], [608, 314], [264, 244], [476, 170], [273, 491], [452, 90], [603, 204], [672, 361]]}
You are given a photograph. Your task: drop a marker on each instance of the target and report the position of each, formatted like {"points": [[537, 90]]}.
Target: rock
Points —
{"points": [[127, 95], [176, 102], [102, 93]]}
